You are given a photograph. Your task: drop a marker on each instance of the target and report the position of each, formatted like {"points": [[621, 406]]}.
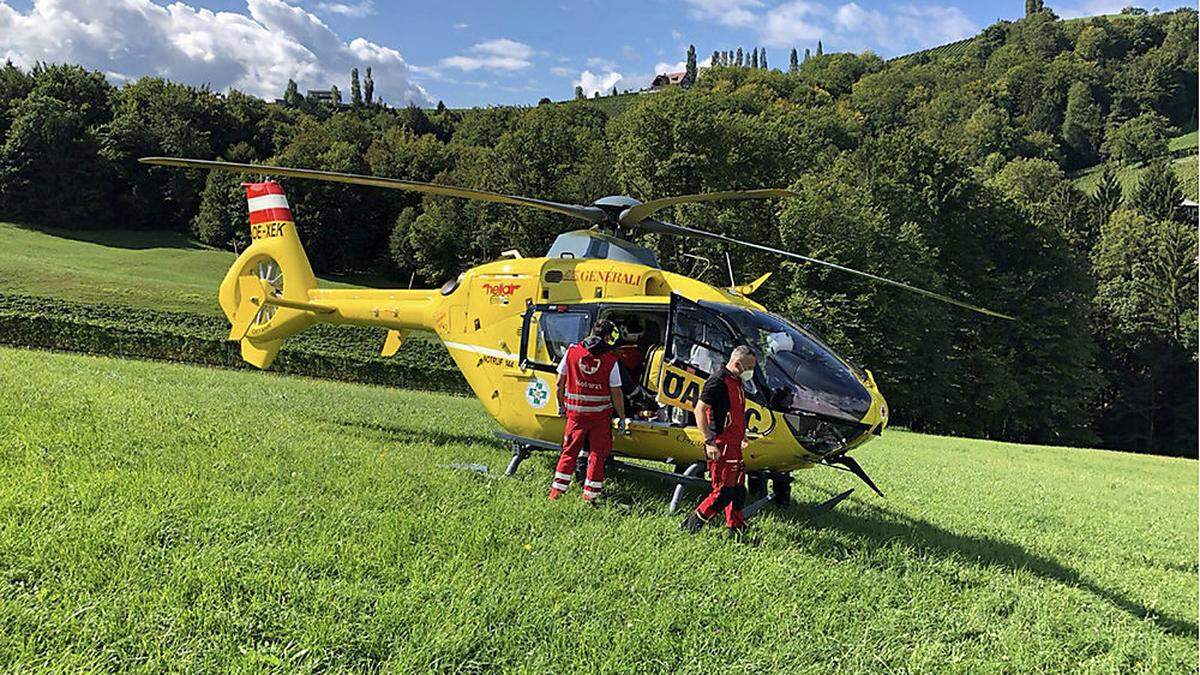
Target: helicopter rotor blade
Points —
{"points": [[589, 214], [662, 227], [634, 215]]}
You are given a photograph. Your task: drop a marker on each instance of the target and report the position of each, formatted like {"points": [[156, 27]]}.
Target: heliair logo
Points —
{"points": [[537, 393]]}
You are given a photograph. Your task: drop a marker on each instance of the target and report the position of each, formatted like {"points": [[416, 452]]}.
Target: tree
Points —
{"points": [[793, 62], [336, 94], [1137, 140], [579, 95], [356, 98], [369, 87], [51, 172], [1081, 126], [1158, 194], [545, 100], [614, 91], [754, 58], [762, 60], [441, 107], [807, 55], [1033, 7], [738, 62], [689, 75], [1107, 197], [291, 94], [820, 49]]}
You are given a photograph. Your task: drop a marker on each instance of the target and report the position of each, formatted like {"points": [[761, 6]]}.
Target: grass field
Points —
{"points": [[1186, 169], [168, 517], [154, 270]]}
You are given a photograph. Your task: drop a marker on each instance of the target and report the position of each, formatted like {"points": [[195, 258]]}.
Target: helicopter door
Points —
{"points": [[548, 330], [699, 341]]}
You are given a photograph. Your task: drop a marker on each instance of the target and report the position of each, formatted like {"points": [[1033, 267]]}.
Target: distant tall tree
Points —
{"points": [[369, 87], [793, 61], [1108, 195], [762, 60], [579, 93], [689, 75], [1033, 7], [596, 94], [715, 59], [336, 94], [820, 49], [1081, 123], [738, 62], [614, 91], [355, 89], [441, 107], [1158, 192], [754, 57], [291, 95], [807, 54]]}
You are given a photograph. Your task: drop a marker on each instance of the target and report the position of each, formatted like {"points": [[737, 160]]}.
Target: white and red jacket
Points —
{"points": [[588, 379]]}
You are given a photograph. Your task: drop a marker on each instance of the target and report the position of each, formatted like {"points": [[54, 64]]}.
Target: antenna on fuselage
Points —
{"points": [[729, 266]]}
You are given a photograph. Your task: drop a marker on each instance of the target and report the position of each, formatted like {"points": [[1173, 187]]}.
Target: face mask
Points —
{"points": [[746, 374]]}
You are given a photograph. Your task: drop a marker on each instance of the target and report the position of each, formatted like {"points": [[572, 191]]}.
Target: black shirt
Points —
{"points": [[716, 395]]}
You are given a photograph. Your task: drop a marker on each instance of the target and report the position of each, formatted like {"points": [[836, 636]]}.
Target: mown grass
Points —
{"points": [[163, 271], [1187, 170], [168, 517]]}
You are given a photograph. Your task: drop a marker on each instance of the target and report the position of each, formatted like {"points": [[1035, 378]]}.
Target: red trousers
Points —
{"points": [[596, 431], [727, 492]]}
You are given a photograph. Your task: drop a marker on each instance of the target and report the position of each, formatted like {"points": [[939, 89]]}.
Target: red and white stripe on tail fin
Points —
{"points": [[269, 210]]}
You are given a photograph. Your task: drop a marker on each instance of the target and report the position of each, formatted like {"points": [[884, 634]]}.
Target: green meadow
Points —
{"points": [[165, 517]]}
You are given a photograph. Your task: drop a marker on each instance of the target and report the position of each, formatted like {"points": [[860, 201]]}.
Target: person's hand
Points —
{"points": [[745, 442], [712, 451], [623, 425]]}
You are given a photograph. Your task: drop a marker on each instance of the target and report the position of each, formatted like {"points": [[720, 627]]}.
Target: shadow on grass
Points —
{"points": [[409, 434], [880, 526], [127, 239]]}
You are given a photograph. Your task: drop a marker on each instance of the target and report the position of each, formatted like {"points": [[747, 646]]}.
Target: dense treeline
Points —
{"points": [[946, 171]]}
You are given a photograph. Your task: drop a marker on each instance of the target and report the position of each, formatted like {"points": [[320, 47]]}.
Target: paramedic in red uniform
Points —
{"points": [[589, 390], [721, 418]]}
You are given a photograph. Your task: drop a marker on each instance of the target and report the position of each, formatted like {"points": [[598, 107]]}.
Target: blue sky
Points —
{"points": [[468, 52]]}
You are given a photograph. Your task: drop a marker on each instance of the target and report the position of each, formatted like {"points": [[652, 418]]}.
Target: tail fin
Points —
{"points": [[265, 294]]}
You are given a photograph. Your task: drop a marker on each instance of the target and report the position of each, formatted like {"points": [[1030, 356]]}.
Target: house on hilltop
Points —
{"points": [[664, 80]]}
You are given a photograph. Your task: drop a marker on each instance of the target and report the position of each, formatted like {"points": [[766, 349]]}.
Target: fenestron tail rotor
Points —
{"points": [[615, 212]]}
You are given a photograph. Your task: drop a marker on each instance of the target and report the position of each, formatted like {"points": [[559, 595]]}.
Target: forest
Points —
{"points": [[948, 169]]}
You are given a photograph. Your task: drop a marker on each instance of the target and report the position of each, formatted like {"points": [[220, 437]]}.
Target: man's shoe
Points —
{"points": [[693, 523], [555, 494]]}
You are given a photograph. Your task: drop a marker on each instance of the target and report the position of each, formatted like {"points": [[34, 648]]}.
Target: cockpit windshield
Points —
{"points": [[800, 373]]}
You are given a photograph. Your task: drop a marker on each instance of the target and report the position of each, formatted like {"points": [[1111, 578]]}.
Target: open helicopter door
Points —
{"points": [[698, 343], [546, 333]]}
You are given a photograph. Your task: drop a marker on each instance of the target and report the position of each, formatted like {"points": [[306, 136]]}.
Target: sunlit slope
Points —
{"points": [[159, 516], [154, 270]]}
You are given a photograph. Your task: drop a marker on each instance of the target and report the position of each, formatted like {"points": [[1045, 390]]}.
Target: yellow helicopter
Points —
{"points": [[506, 324]]}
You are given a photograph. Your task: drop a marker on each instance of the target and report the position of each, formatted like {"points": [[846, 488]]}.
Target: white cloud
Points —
{"points": [[561, 71], [255, 52], [593, 83], [460, 26], [352, 9], [791, 23], [680, 66], [725, 12], [1091, 8], [501, 54], [849, 26], [601, 64]]}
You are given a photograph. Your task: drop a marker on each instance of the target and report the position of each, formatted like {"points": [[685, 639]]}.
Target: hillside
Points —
{"points": [[159, 516], [147, 269]]}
